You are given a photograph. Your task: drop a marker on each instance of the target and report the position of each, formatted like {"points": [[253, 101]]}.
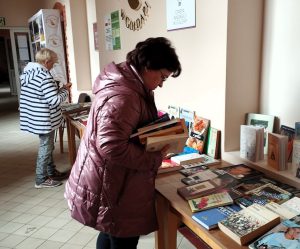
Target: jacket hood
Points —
{"points": [[119, 75], [28, 72]]}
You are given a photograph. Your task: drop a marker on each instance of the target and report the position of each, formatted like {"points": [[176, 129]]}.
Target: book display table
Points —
{"points": [[172, 209]]}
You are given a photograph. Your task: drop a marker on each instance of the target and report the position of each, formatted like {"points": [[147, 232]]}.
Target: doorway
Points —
{"points": [[15, 53]]}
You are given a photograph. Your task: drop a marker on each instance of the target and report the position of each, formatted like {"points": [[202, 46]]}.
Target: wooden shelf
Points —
{"points": [[286, 176]]}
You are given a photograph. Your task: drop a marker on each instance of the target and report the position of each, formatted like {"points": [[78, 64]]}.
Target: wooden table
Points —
{"points": [[173, 210], [73, 128]]}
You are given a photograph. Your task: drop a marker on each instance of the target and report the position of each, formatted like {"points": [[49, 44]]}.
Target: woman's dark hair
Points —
{"points": [[155, 54]]}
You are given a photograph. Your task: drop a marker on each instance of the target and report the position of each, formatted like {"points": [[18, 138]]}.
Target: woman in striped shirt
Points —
{"points": [[40, 113]]}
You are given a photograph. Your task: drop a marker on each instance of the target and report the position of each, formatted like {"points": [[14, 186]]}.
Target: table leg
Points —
{"points": [[166, 236]]}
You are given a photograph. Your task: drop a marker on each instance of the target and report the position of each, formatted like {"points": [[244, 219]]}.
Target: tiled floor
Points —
{"points": [[38, 218]]}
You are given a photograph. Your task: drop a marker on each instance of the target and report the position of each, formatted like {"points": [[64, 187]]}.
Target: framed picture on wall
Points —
{"points": [[181, 14]]}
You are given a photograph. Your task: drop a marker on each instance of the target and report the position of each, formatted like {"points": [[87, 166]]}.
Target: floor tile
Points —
{"points": [[30, 243], [12, 241], [43, 233], [62, 235]]}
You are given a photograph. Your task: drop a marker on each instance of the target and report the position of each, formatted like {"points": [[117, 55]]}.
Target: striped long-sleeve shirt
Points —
{"points": [[40, 100]]}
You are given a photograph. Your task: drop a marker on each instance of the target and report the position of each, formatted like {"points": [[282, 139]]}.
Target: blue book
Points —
{"points": [[210, 218]]}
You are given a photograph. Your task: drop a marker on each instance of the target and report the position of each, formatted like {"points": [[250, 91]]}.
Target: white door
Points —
{"points": [[21, 51]]}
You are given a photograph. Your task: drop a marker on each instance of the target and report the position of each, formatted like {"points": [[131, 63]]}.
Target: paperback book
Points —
{"points": [[210, 201], [248, 223], [198, 133], [193, 170], [293, 204], [283, 212], [277, 151], [188, 116], [168, 166], [239, 171], [209, 218], [263, 195], [267, 121], [283, 236], [173, 111], [252, 142], [187, 158], [213, 145], [199, 177], [204, 160], [290, 133]]}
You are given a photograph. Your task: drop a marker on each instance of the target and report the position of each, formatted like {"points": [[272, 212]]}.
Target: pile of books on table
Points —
{"points": [[244, 203]]}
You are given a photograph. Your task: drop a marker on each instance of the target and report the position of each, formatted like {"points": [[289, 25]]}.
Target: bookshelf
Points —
{"points": [[286, 176]]}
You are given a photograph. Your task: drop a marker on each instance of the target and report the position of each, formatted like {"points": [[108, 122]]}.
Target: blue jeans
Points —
{"points": [[44, 162], [107, 241]]}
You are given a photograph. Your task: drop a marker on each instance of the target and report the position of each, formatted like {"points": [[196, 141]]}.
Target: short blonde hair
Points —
{"points": [[46, 54]]}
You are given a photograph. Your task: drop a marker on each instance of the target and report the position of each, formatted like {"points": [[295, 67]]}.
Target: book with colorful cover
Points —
{"points": [[239, 171], [290, 133], [283, 236], [263, 195], [173, 111], [198, 133], [199, 177], [209, 218], [168, 166], [210, 201], [248, 223]]}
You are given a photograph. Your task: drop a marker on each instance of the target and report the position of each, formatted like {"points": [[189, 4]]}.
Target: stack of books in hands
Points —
{"points": [[156, 136]]}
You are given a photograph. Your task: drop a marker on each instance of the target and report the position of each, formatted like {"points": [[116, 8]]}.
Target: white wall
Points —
{"points": [[280, 89]]}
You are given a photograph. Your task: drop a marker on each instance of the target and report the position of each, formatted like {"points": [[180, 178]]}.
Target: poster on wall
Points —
{"points": [[181, 14], [112, 31]]}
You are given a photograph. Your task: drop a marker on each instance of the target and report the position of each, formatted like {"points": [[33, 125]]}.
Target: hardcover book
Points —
{"points": [[209, 218], [267, 121], [198, 133], [199, 177], [277, 151], [290, 133], [252, 142], [283, 236], [210, 201], [248, 223]]}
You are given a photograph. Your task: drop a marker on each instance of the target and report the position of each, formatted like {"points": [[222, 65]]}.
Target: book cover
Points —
{"points": [[239, 171], [187, 158], [168, 166], [188, 116], [193, 170], [277, 151], [173, 111], [197, 190], [296, 156], [210, 201], [252, 142], [209, 218], [204, 160], [249, 223], [213, 145], [176, 143], [293, 204], [199, 177], [283, 212], [267, 121], [198, 133], [290, 133], [263, 195], [285, 235], [297, 131]]}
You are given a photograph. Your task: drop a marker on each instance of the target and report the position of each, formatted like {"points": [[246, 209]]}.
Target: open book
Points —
{"points": [[172, 132]]}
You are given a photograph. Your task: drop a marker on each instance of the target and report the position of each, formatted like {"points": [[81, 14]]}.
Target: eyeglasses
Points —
{"points": [[163, 77]]}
